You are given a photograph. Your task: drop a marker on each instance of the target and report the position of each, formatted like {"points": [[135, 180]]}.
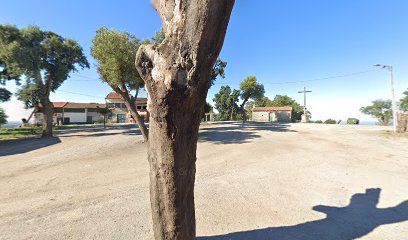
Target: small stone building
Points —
{"points": [[272, 114], [402, 122]]}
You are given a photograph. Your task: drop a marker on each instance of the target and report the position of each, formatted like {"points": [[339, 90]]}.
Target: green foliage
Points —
{"points": [[5, 95], [43, 58], [3, 117], [404, 102], [330, 121], [251, 89], [218, 70], [158, 37], [226, 103], [353, 121], [207, 108], [379, 109], [116, 52], [29, 94]]}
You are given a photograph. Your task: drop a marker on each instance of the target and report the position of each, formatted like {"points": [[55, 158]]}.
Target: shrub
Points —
{"points": [[330, 121], [353, 121]]}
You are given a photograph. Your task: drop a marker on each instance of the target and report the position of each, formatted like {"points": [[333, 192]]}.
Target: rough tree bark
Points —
{"points": [[47, 113], [242, 109], [48, 108], [177, 74]]}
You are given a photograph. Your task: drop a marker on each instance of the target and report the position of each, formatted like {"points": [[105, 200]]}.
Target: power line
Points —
{"points": [[326, 78], [320, 79], [86, 95]]}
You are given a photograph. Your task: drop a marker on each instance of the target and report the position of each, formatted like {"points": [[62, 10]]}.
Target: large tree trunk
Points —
{"points": [[47, 113], [242, 108], [177, 74]]}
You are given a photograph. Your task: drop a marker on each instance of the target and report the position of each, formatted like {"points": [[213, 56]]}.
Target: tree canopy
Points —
{"points": [[381, 110], [43, 59], [116, 53], [226, 103], [3, 117], [250, 89]]}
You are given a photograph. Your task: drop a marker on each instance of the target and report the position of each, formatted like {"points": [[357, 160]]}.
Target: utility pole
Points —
{"points": [[304, 117], [394, 100]]}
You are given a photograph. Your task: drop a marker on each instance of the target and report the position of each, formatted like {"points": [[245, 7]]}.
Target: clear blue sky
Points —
{"points": [[277, 41]]}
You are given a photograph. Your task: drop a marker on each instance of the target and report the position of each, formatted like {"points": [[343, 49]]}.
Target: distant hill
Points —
{"points": [[11, 124]]}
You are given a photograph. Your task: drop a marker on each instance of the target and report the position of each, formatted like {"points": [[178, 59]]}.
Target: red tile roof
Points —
{"points": [[114, 95], [59, 104], [271, 109], [84, 105]]}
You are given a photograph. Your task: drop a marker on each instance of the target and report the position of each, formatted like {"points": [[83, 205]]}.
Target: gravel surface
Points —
{"points": [[254, 181]]}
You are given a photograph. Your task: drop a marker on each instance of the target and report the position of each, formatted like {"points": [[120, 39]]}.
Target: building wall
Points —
{"points": [[276, 116], [117, 106], [260, 116], [75, 117], [96, 117]]}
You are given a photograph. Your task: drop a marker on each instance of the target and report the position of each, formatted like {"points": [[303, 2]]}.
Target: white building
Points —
{"points": [[69, 112]]}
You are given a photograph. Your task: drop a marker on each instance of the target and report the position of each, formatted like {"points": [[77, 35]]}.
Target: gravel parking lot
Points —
{"points": [[254, 181]]}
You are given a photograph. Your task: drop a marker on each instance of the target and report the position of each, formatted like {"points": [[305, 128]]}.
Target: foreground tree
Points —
{"points": [[177, 74], [115, 52], [44, 59], [250, 89], [226, 103], [404, 102], [381, 110]]}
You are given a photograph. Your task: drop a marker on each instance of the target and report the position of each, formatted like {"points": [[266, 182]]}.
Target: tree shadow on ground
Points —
{"points": [[238, 133], [356, 220], [26, 145], [98, 131]]}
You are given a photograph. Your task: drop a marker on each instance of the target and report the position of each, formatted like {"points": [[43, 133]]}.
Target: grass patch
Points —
{"points": [[15, 133]]}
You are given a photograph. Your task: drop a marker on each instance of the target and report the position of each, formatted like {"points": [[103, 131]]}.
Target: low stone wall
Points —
{"points": [[402, 122]]}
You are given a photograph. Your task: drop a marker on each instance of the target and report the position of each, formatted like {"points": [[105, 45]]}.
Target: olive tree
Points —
{"points": [[115, 52], [43, 59], [177, 74], [250, 89], [380, 109]]}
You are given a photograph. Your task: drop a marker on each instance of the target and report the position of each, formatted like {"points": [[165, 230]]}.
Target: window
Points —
{"points": [[139, 107], [110, 116], [58, 110], [124, 106], [117, 105], [144, 107], [111, 105], [91, 109]]}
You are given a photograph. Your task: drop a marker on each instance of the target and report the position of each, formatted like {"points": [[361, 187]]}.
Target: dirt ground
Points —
{"points": [[258, 181]]}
